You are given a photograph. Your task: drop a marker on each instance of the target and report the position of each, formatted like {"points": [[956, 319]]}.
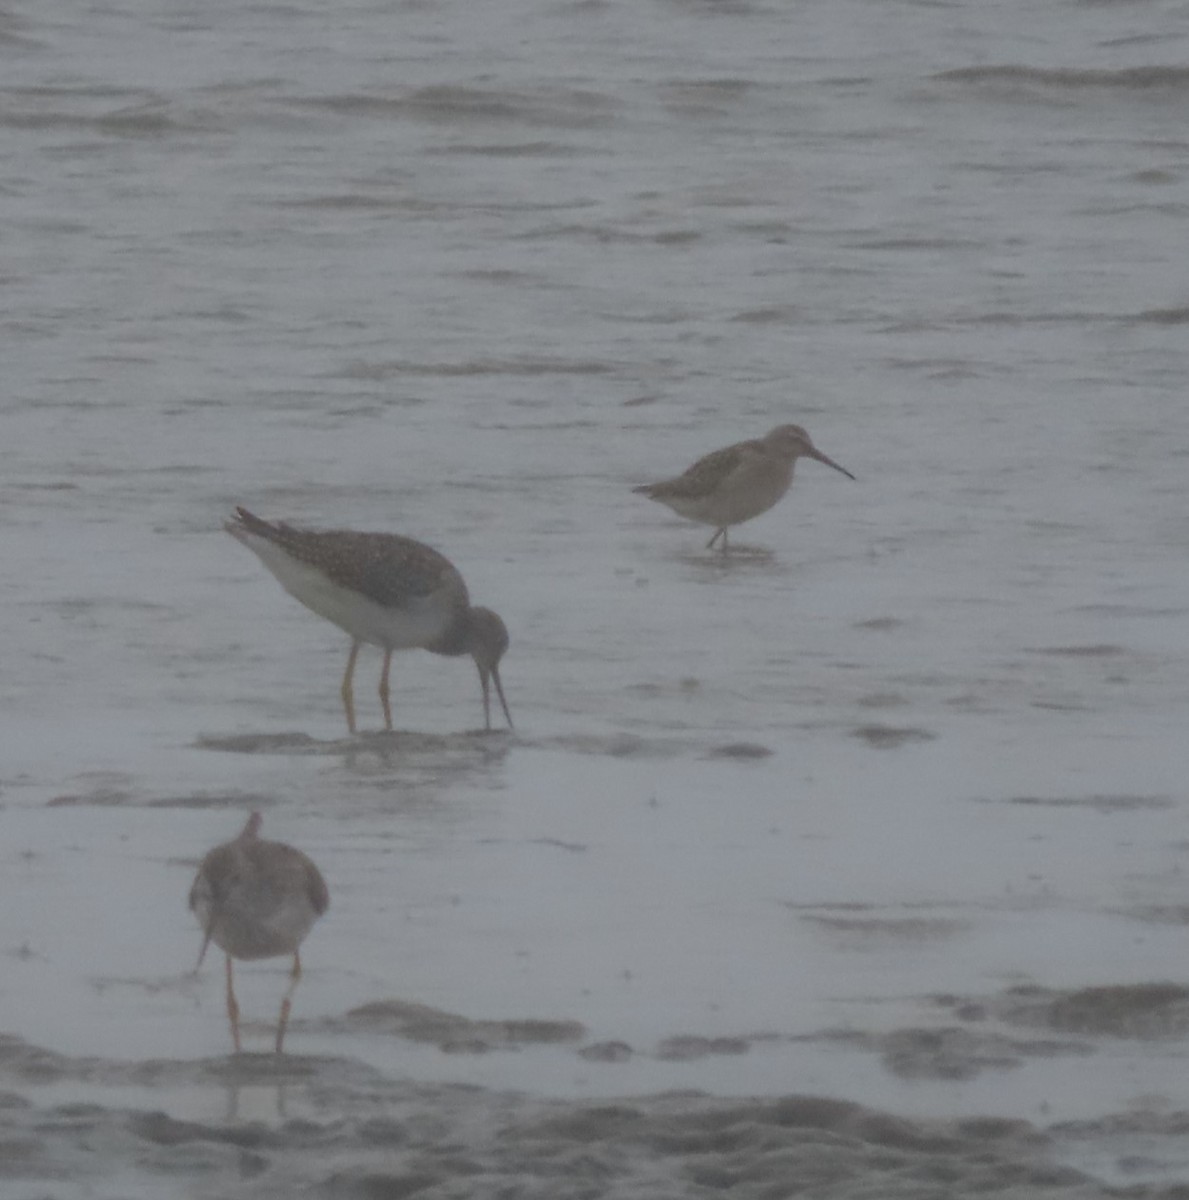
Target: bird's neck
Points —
{"points": [[456, 639]]}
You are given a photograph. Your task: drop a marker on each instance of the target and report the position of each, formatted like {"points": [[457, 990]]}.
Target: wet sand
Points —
{"points": [[330, 1127], [764, 1032]]}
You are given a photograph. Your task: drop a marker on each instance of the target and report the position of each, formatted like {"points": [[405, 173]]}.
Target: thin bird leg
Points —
{"points": [[384, 689], [232, 1008], [724, 540], [718, 533], [348, 698], [286, 1000]]}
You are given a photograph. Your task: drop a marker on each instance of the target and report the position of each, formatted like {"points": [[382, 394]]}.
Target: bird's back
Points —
{"points": [[384, 567], [381, 587], [258, 898], [705, 476]]}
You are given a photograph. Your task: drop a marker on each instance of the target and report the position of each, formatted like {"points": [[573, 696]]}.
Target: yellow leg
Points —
{"points": [[286, 1000], [384, 690], [348, 698], [232, 1008]]}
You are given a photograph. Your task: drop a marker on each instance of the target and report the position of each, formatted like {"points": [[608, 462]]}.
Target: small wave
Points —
{"points": [[610, 235], [150, 118], [504, 277], [1096, 803], [1152, 1010], [1177, 315], [516, 150], [12, 33], [113, 797], [480, 366], [917, 243], [885, 737], [1015, 320], [565, 108], [1140, 79], [1098, 650], [346, 200], [703, 96]]}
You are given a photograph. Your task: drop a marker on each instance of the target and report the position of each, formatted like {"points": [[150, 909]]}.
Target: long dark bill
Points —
{"points": [[825, 458], [484, 677]]}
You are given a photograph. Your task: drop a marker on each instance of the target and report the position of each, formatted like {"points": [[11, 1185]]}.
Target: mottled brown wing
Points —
{"points": [[289, 869], [704, 476], [212, 876], [384, 567]]}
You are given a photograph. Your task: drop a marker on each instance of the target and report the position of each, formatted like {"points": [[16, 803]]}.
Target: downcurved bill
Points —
{"points": [[814, 452], [485, 678]]}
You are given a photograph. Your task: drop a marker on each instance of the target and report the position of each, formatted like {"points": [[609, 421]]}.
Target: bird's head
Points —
{"points": [[792, 442]]}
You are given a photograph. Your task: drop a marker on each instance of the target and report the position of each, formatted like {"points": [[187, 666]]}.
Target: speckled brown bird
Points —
{"points": [[383, 589], [732, 485], [257, 899]]}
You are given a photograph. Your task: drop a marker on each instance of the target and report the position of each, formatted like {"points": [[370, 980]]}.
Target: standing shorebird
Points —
{"points": [[257, 899], [732, 485], [390, 591]]}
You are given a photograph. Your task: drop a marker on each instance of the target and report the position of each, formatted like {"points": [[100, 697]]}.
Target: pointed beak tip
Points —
{"points": [[499, 689], [488, 675], [825, 458]]}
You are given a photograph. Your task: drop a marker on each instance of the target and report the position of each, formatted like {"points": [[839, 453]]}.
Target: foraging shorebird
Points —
{"points": [[390, 591], [257, 899], [732, 485]]}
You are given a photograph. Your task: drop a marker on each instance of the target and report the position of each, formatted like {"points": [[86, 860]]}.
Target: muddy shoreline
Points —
{"points": [[260, 1125], [333, 1127]]}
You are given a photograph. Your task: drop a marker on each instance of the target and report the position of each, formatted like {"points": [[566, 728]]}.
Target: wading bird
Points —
{"points": [[390, 591], [257, 899], [732, 485]]}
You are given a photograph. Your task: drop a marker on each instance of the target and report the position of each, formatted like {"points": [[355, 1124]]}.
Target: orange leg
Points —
{"points": [[348, 698], [384, 690], [286, 1000], [232, 1008]]}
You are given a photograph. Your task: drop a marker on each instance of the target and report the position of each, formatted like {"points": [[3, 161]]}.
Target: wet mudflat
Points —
{"points": [[529, 935], [336, 1128]]}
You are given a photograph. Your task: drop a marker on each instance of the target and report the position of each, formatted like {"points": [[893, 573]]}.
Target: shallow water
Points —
{"points": [[887, 808]]}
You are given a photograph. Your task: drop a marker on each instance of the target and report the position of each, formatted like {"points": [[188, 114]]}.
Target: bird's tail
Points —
{"points": [[645, 489], [245, 522]]}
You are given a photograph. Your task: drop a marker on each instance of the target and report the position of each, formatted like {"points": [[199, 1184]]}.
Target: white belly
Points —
{"points": [[419, 622]]}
